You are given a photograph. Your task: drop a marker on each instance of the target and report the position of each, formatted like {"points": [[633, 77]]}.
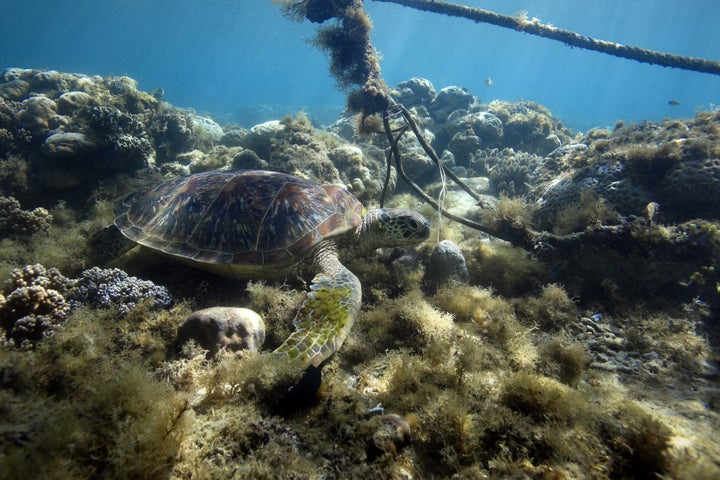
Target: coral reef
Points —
{"points": [[463, 124], [471, 132], [35, 300], [447, 101], [113, 287], [414, 92], [74, 129], [672, 163], [32, 304], [172, 132], [529, 127], [584, 347], [14, 137], [21, 223], [512, 174], [293, 145], [296, 149]]}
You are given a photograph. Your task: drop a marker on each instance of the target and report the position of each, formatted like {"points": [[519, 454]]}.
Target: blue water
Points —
{"points": [[241, 61]]}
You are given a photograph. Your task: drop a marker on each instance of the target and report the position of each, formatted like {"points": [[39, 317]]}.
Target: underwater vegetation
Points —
{"points": [[35, 300], [592, 354], [17, 222]]}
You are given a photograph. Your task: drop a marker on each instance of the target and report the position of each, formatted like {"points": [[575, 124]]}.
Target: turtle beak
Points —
{"points": [[418, 229], [423, 232]]}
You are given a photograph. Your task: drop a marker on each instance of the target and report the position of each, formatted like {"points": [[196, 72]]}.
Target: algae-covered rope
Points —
{"points": [[534, 27], [394, 152], [353, 61], [433, 156]]}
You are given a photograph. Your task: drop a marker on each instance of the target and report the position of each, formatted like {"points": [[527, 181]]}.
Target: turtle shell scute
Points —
{"points": [[243, 218]]}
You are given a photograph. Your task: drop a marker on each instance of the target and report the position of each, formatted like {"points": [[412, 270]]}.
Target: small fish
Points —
{"points": [[377, 409], [652, 210], [489, 82], [674, 102], [158, 93]]}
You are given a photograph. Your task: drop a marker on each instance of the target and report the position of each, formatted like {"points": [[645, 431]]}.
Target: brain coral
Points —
{"points": [[696, 181], [673, 163]]}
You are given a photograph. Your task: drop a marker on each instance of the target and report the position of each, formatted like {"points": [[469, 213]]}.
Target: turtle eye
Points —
{"points": [[413, 224]]}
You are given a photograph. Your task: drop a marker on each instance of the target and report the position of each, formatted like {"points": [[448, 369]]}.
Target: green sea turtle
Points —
{"points": [[262, 224]]}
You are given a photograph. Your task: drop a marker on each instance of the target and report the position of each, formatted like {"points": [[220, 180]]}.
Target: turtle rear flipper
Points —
{"points": [[327, 314], [107, 245]]}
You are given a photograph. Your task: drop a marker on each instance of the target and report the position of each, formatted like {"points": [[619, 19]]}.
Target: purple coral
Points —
{"points": [[17, 222], [34, 301], [32, 304], [127, 153], [13, 137], [113, 287], [31, 275]]}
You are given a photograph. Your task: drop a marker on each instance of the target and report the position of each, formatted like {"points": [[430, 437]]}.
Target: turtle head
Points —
{"points": [[393, 227]]}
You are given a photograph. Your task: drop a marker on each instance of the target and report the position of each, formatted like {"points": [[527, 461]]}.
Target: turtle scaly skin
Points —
{"points": [[333, 303], [260, 224], [326, 315]]}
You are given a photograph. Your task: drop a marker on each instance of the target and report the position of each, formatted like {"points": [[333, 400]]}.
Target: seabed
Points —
{"points": [[600, 363]]}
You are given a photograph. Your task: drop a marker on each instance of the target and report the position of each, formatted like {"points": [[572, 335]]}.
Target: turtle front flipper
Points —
{"points": [[326, 315]]}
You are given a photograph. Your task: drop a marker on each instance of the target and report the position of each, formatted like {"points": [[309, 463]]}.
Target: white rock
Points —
{"points": [[209, 126], [224, 327]]}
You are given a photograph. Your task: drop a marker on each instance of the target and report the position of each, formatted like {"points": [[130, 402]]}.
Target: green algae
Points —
{"points": [[508, 270], [590, 210], [83, 406], [483, 394], [552, 309], [564, 360]]}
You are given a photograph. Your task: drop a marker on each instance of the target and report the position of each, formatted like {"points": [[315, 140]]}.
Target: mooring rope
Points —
{"points": [[534, 27]]}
